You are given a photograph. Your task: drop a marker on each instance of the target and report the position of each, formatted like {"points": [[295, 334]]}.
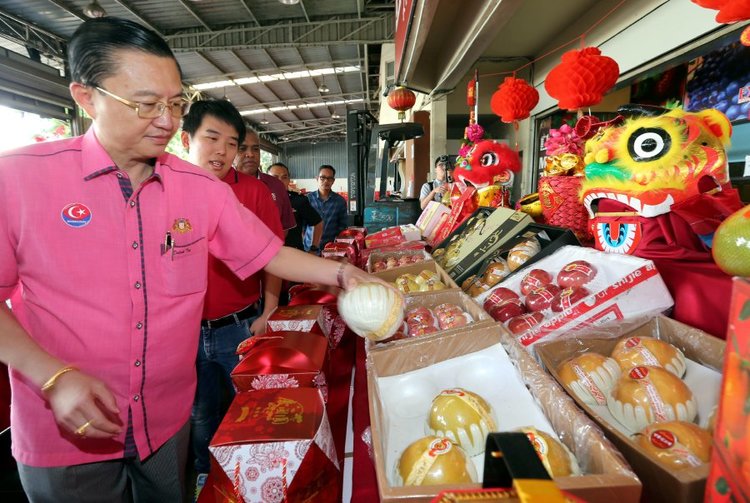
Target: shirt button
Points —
{"points": [[135, 245], [132, 203], [139, 325], [136, 398], [137, 364], [119, 175], [137, 284]]}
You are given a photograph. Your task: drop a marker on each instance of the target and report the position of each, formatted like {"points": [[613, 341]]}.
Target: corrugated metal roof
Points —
{"points": [[247, 53]]}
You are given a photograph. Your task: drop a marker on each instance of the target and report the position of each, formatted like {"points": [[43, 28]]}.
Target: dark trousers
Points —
{"points": [[160, 477]]}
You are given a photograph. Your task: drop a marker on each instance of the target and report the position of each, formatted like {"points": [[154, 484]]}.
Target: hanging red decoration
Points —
{"points": [[730, 11], [582, 78], [514, 100], [471, 93], [401, 99]]}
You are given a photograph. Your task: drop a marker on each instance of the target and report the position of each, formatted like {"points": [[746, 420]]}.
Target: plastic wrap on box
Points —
{"points": [[607, 475], [624, 288], [431, 300], [377, 255], [704, 355]]}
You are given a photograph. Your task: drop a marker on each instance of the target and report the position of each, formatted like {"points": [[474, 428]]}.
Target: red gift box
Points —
{"points": [[275, 445], [282, 360], [386, 237], [729, 478], [320, 319], [338, 249], [352, 235], [406, 245]]}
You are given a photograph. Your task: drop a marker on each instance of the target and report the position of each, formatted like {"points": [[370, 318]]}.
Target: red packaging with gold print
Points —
{"points": [[319, 319], [275, 445], [282, 360]]}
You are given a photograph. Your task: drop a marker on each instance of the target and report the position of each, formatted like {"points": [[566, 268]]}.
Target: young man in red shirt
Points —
{"points": [[211, 133]]}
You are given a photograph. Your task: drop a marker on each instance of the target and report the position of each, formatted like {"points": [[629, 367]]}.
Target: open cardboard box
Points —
{"points": [[660, 483], [431, 300], [520, 392], [391, 274]]}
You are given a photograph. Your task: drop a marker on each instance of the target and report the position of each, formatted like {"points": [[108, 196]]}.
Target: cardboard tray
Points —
{"points": [[607, 475], [660, 483], [391, 274], [556, 237], [377, 254], [430, 300]]}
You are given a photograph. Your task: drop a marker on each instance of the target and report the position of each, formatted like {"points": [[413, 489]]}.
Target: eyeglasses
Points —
{"points": [[151, 110], [327, 178]]}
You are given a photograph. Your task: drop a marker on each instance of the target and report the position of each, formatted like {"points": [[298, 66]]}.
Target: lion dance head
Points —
{"points": [[488, 163]]}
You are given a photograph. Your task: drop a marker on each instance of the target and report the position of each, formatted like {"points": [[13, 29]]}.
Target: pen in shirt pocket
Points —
{"points": [[168, 244]]}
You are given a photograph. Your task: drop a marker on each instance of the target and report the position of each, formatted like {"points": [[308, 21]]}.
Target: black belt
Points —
{"points": [[232, 319]]}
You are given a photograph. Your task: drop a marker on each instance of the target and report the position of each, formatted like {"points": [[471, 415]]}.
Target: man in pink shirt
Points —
{"points": [[107, 239]]}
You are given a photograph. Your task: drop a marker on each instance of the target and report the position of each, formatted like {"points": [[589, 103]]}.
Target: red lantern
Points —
{"points": [[730, 11], [401, 99], [514, 99], [582, 78]]}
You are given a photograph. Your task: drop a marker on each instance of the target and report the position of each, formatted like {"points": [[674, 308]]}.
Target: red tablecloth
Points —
{"points": [[364, 483]]}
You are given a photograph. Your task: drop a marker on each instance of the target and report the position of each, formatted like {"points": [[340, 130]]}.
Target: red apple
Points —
{"points": [[420, 316], [380, 265], [452, 320], [567, 297], [447, 308], [576, 273], [507, 310], [416, 331], [520, 324], [540, 298], [499, 296], [534, 279]]}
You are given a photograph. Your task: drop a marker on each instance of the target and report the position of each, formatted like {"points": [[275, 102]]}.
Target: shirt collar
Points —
{"points": [[232, 177], [96, 161]]}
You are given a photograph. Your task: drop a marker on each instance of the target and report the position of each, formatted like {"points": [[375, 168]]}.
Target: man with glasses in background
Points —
{"points": [[102, 341], [330, 206], [434, 190]]}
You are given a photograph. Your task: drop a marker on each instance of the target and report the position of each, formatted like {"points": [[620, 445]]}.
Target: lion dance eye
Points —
{"points": [[488, 159], [649, 144]]}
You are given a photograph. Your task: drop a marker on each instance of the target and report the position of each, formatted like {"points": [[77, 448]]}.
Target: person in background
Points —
{"points": [[211, 133], [434, 190], [102, 346], [248, 162], [331, 207], [304, 214]]}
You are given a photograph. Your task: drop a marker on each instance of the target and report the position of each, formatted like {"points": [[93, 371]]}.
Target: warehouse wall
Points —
{"points": [[304, 159]]}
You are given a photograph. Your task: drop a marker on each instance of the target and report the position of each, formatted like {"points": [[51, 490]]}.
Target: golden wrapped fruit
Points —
{"points": [[677, 444], [634, 351], [522, 252], [555, 456], [462, 416], [434, 461], [590, 376]]}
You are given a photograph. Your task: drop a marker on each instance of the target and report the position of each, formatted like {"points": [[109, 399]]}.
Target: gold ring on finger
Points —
{"points": [[81, 432]]}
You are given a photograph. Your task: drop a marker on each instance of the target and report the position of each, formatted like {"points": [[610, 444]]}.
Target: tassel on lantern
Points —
{"points": [[582, 78], [514, 100]]}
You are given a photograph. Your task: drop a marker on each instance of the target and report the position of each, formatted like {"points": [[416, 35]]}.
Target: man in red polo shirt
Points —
{"points": [[211, 132], [107, 238]]}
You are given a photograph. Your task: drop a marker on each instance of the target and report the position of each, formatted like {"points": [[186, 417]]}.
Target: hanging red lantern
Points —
{"points": [[471, 93], [401, 99], [730, 11], [582, 78], [514, 100]]}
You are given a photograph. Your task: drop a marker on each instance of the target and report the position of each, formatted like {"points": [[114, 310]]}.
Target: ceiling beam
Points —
{"points": [[195, 14], [345, 30], [304, 122], [64, 6], [258, 72], [270, 89], [250, 12], [138, 16], [304, 11], [310, 100], [24, 33]]}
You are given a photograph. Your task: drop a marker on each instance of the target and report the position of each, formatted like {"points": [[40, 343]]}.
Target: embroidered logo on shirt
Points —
{"points": [[76, 215], [182, 225]]}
